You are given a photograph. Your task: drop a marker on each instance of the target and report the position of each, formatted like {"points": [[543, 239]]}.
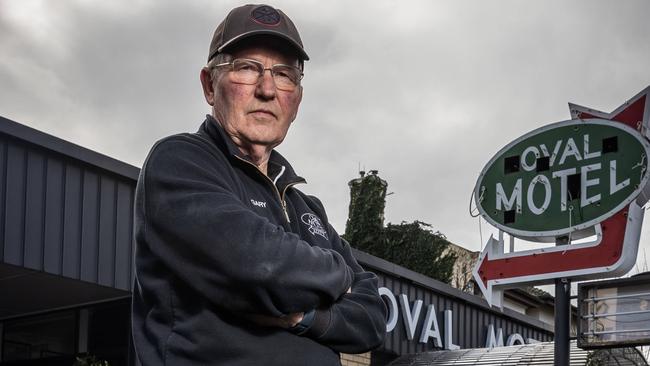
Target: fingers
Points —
{"points": [[285, 322], [293, 319]]}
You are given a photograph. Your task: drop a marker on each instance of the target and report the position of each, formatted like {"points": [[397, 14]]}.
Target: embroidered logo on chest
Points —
{"points": [[314, 225]]}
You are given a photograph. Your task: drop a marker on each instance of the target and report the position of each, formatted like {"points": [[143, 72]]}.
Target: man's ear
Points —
{"points": [[208, 86]]}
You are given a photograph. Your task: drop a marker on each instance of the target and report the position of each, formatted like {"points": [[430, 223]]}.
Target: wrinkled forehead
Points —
{"points": [[266, 46]]}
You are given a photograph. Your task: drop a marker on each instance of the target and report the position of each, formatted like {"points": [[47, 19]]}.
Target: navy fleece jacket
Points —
{"points": [[217, 242]]}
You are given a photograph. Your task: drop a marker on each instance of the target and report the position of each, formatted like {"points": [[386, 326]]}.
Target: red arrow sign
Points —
{"points": [[613, 253]]}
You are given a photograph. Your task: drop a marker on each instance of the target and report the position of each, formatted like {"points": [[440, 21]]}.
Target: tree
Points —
{"points": [[412, 245]]}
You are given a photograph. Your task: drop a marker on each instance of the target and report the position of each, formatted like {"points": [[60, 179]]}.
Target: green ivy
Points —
{"points": [[412, 245], [366, 216], [416, 247]]}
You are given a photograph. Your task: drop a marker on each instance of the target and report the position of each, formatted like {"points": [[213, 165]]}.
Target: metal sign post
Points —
{"points": [[561, 339], [562, 321]]}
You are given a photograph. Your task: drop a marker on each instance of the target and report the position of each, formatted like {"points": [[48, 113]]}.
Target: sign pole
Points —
{"points": [[562, 316]]}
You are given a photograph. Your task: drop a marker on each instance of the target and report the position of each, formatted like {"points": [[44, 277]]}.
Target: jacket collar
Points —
{"points": [[213, 129]]}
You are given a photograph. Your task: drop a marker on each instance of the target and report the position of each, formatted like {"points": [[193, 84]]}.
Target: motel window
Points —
{"points": [[50, 336]]}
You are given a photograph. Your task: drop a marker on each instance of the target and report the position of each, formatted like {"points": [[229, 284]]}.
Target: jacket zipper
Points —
{"points": [[280, 195], [282, 200]]}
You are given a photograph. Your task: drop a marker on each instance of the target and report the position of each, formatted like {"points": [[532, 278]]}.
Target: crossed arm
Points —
{"points": [[245, 264], [354, 323]]}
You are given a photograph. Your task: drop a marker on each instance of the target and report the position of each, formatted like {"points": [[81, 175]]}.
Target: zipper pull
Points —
{"points": [[284, 208]]}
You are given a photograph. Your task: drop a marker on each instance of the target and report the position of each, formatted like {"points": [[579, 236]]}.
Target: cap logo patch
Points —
{"points": [[265, 15]]}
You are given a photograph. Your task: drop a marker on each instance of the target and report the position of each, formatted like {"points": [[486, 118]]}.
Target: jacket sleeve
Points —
{"points": [[194, 222], [356, 322]]}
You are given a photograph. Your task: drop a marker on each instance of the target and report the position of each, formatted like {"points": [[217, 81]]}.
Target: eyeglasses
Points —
{"points": [[245, 71]]}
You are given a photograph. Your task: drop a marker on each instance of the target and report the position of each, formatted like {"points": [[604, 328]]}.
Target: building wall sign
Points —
{"points": [[427, 315], [563, 178], [410, 312]]}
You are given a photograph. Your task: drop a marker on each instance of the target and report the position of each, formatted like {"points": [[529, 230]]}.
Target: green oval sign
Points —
{"points": [[562, 178]]}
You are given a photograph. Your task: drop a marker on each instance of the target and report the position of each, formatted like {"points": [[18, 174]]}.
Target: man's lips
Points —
{"points": [[263, 112]]}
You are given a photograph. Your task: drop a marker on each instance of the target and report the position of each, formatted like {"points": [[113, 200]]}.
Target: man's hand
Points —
{"points": [[285, 322]]}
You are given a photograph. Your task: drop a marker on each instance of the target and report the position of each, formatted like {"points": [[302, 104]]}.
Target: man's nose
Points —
{"points": [[266, 86]]}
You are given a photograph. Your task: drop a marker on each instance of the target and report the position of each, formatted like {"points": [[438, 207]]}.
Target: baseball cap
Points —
{"points": [[255, 19]]}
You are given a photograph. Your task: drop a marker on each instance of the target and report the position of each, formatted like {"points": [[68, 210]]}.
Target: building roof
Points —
{"points": [[66, 148], [528, 354]]}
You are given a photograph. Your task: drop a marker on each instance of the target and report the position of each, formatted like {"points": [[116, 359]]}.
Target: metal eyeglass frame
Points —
{"points": [[262, 69]]}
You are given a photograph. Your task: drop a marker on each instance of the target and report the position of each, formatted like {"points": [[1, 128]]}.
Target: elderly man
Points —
{"points": [[234, 265]]}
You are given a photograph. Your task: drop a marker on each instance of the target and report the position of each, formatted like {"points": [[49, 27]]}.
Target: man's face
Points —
{"points": [[257, 114]]}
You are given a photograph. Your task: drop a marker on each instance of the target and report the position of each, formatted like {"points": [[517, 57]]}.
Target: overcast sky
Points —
{"points": [[423, 91]]}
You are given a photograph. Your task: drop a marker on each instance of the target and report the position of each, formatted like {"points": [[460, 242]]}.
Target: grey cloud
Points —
{"points": [[424, 91]]}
